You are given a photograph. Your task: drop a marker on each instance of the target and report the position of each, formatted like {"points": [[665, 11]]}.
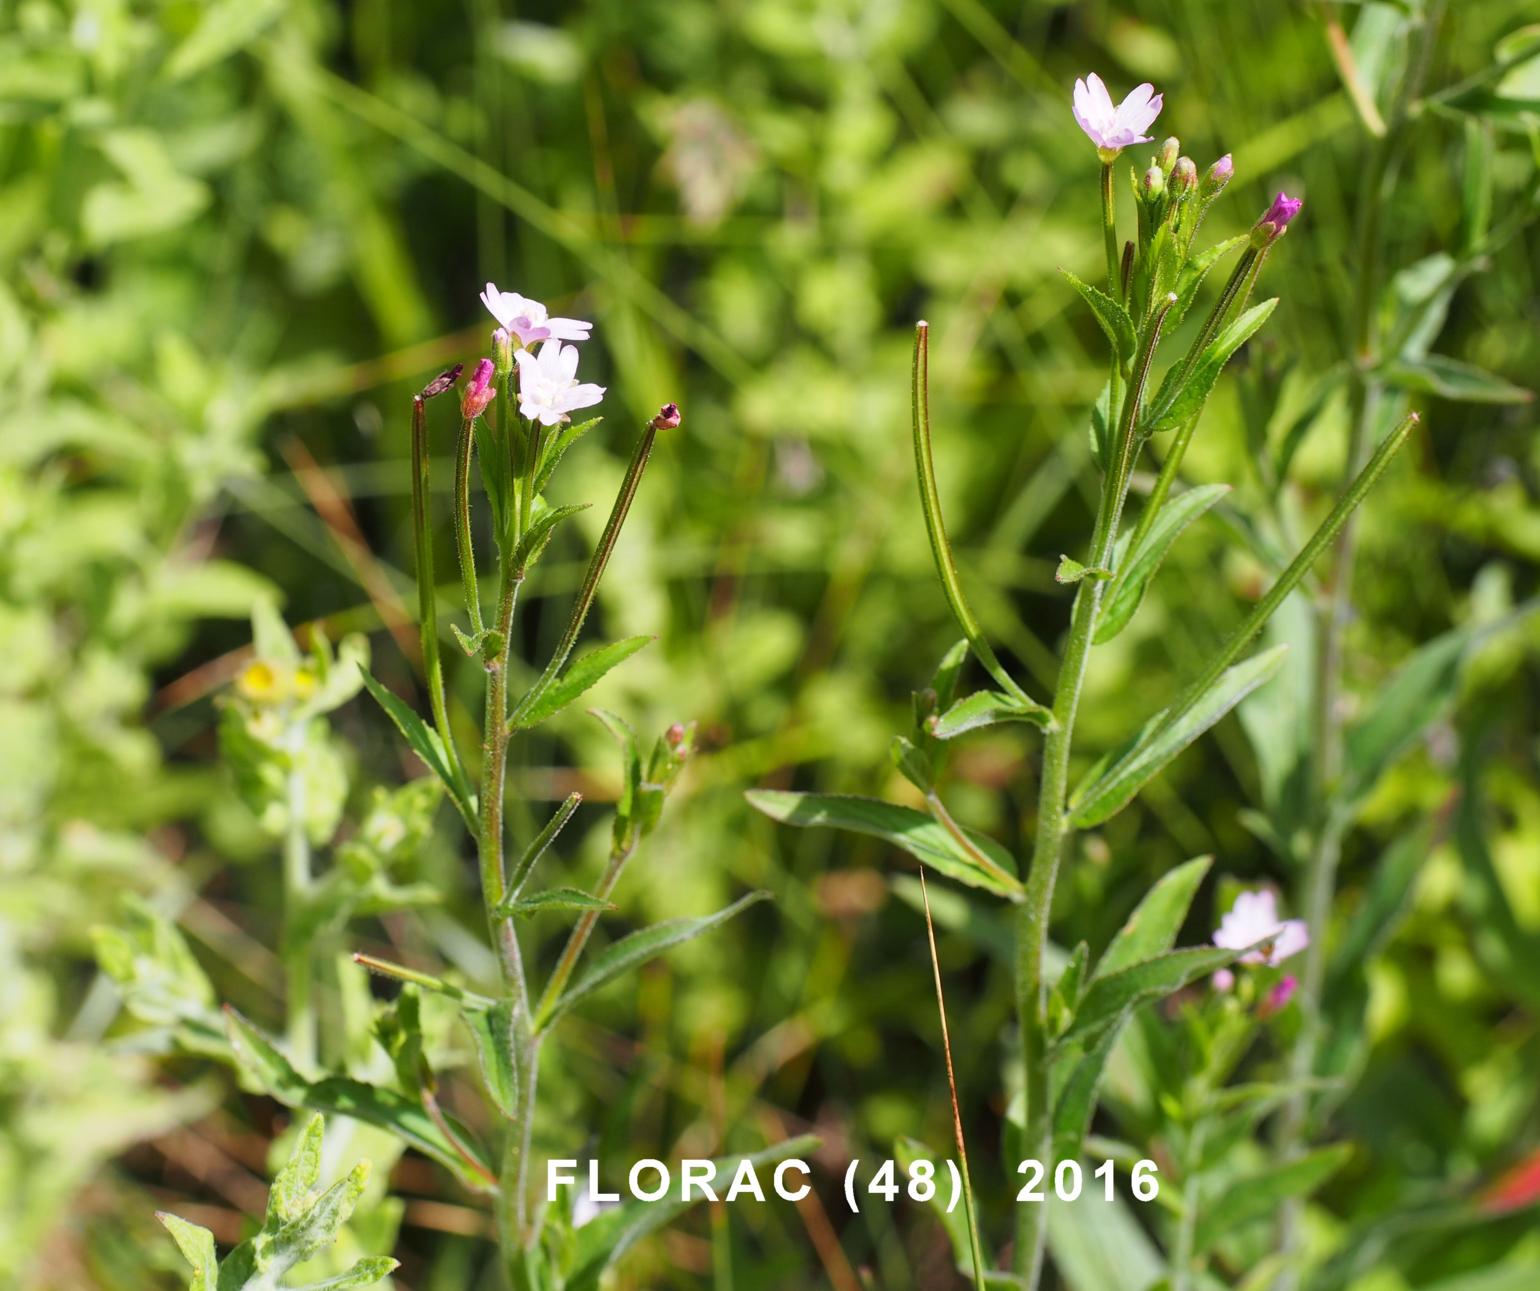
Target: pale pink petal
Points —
{"points": [[1293, 936]]}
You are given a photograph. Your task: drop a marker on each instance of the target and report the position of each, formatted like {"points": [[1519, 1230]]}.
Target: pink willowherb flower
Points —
{"points": [[1110, 128], [548, 384], [1283, 209], [528, 320], [1254, 918]]}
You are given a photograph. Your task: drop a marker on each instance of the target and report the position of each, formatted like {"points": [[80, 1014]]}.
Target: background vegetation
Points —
{"points": [[237, 235]]}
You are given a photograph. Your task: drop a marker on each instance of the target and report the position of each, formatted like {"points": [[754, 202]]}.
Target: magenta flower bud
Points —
{"points": [[1217, 176], [1184, 175], [1275, 220], [479, 393], [1283, 209], [668, 417]]}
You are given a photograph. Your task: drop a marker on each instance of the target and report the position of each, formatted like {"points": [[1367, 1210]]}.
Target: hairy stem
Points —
{"points": [[1033, 914], [1110, 234], [463, 547], [427, 603], [581, 932]]}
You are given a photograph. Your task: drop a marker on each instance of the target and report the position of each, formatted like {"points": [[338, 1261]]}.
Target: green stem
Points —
{"points": [[1033, 915], [578, 938], [463, 547], [596, 567], [1110, 234], [935, 527], [298, 961], [427, 603], [1231, 301]]}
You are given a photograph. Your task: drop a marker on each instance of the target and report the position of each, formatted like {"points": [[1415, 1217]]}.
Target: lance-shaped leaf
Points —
{"points": [[541, 841], [317, 1227], [584, 674], [260, 1058], [986, 708], [552, 899], [636, 949], [535, 538], [1108, 996], [1113, 782], [197, 1247], [1259, 1196], [1448, 378], [1109, 313], [298, 1177], [426, 744], [606, 1238], [556, 448], [1181, 398], [1197, 269], [365, 1273], [494, 1031], [1075, 1102], [1134, 574], [974, 859], [1152, 928]]}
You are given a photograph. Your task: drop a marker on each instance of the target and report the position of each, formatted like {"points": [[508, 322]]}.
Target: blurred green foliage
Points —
{"points": [[235, 235]]}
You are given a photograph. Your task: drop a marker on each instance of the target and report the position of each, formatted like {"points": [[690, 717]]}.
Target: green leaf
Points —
{"points": [[1437, 374], [948, 673], [1196, 270], [541, 841], [424, 742], [551, 899], [1096, 1245], [317, 1228], [292, 1185], [1134, 574], [494, 1032], [636, 949], [552, 453], [197, 1247], [404, 1117], [1152, 928], [1180, 400], [535, 538], [1109, 313], [1259, 1196], [922, 836], [225, 27], [579, 677], [1108, 789], [366, 1272], [985, 708], [1071, 570], [1075, 1103], [1111, 993], [607, 1238]]}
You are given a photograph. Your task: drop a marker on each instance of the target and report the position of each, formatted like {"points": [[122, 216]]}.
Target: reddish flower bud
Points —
{"points": [[668, 417], [1217, 176], [479, 393]]}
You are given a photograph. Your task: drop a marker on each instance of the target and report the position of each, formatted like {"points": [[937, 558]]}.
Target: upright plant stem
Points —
{"points": [[1110, 233], [581, 932], [464, 550], [1231, 301], [1033, 914], [298, 959], [427, 604]]}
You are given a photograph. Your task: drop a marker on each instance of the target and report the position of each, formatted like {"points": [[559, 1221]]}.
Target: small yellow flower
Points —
{"points": [[260, 683]]}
